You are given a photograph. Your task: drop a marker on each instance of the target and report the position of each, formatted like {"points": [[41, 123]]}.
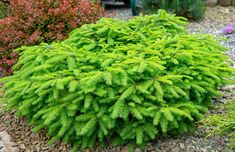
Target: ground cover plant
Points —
{"points": [[223, 124], [31, 22], [124, 82]]}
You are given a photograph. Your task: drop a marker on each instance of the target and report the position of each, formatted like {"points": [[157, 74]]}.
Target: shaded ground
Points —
{"points": [[24, 140]]}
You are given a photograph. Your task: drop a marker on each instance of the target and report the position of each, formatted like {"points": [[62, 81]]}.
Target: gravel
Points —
{"points": [[216, 19], [121, 11], [24, 139], [15, 135]]}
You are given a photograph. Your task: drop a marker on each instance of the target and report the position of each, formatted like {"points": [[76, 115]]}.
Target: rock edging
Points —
{"points": [[5, 143]]}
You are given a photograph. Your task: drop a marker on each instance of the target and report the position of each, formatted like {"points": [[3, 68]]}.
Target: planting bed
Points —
{"points": [[24, 140]]}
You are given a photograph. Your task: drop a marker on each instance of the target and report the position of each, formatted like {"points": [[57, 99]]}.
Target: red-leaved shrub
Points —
{"points": [[34, 21]]}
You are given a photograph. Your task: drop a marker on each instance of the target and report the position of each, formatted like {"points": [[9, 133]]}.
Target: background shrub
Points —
{"points": [[122, 81], [31, 22], [3, 9], [193, 9]]}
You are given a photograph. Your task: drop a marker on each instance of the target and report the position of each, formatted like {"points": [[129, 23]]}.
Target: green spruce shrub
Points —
{"points": [[124, 82]]}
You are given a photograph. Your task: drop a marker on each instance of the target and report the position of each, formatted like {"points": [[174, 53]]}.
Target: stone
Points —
{"points": [[1, 143], [5, 137], [137, 150], [225, 11], [33, 135], [3, 149], [175, 149], [124, 149], [228, 88], [5, 144], [211, 2], [182, 145], [204, 150], [10, 148], [45, 148], [37, 147], [225, 2], [22, 146]]}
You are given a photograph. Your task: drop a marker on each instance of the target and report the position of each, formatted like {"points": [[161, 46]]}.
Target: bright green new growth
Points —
{"points": [[121, 81]]}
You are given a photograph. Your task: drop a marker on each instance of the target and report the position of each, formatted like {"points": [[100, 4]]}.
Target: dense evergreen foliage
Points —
{"points": [[224, 124], [193, 9], [126, 82]]}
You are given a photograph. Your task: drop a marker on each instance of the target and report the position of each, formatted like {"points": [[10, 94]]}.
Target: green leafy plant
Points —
{"points": [[193, 9], [3, 9], [126, 82], [223, 124]]}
